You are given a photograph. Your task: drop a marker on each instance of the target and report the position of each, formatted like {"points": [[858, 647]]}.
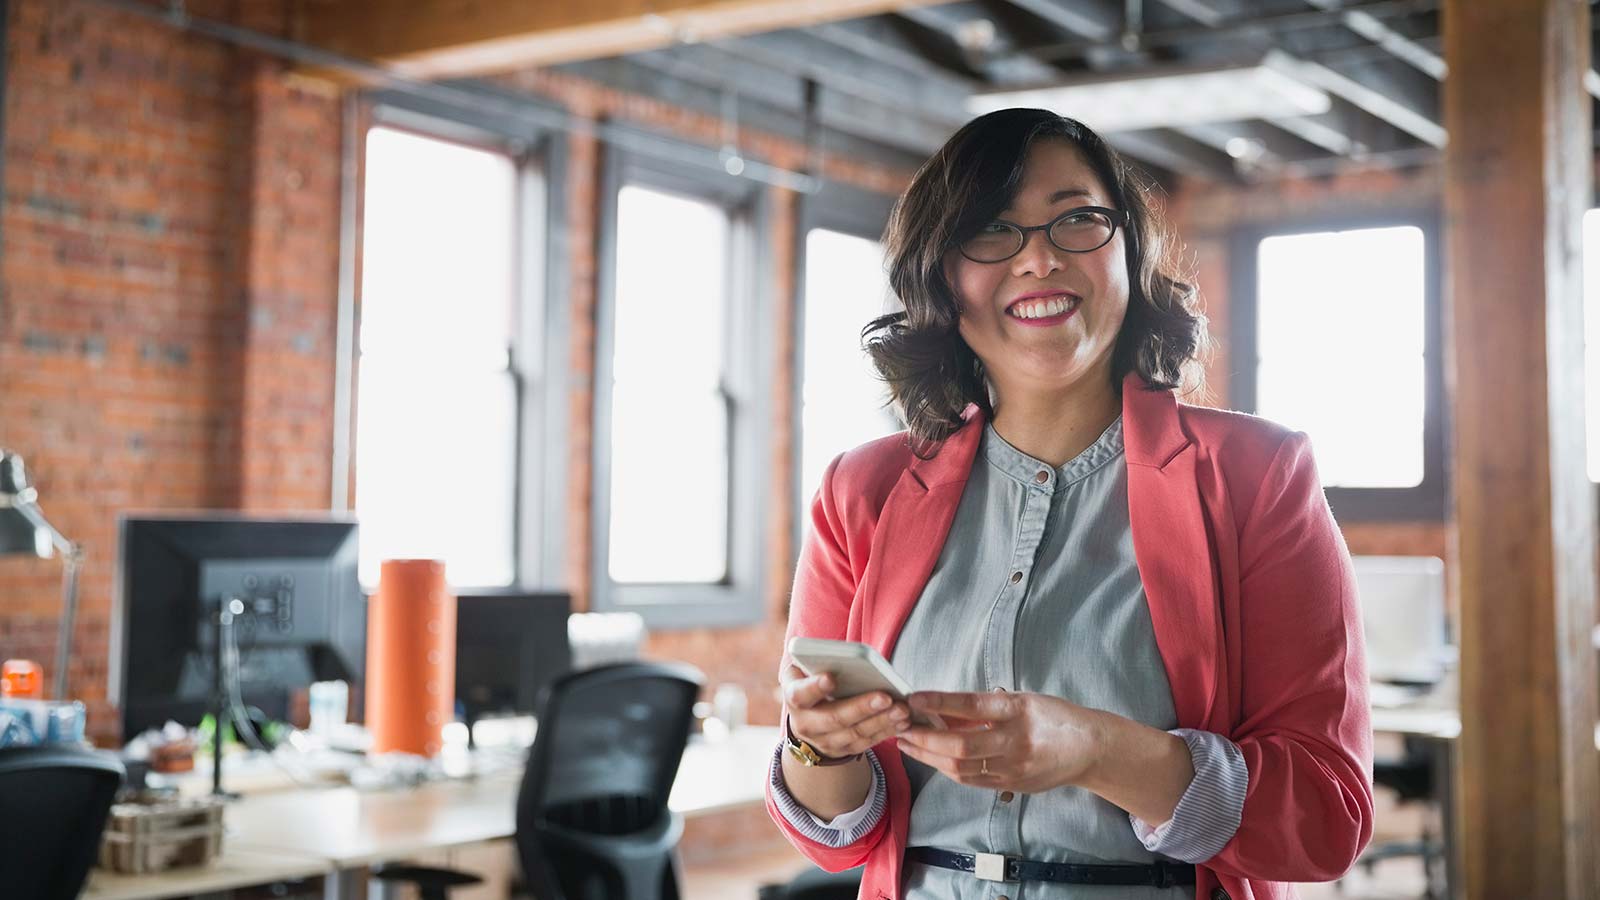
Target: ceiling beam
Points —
{"points": [[1174, 153], [1399, 45], [1332, 131], [1169, 151], [1363, 91], [805, 56], [1086, 18], [713, 69], [879, 39], [1248, 24], [996, 57], [453, 38], [1319, 130]]}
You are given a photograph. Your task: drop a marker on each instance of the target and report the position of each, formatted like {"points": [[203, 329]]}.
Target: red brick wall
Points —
{"points": [[143, 310], [170, 277], [289, 157]]}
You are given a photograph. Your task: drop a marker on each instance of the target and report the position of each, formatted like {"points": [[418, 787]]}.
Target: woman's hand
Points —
{"points": [[839, 727], [1028, 743]]}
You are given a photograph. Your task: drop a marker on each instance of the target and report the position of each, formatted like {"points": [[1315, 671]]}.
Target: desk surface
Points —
{"points": [[340, 827], [351, 828], [1429, 722], [236, 867]]}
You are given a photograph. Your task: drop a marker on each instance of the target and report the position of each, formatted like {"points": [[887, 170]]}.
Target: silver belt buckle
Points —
{"points": [[989, 866]]}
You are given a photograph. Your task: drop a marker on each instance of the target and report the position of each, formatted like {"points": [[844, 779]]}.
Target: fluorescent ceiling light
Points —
{"points": [[1169, 98]]}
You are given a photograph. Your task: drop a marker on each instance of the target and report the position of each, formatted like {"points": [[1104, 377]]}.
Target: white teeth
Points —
{"points": [[1055, 306]]}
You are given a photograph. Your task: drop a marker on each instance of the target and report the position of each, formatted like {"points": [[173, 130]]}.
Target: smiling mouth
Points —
{"points": [[1043, 307]]}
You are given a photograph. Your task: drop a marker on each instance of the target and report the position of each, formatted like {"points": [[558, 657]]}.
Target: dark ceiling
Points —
{"points": [[894, 86]]}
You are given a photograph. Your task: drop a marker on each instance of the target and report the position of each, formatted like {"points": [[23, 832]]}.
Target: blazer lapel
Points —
{"points": [[911, 532], [1171, 540], [1173, 545]]}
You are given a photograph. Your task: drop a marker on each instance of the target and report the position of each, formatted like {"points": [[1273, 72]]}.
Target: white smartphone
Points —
{"points": [[856, 669]]}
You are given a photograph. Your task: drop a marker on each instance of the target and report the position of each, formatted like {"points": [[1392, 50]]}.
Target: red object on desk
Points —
{"points": [[411, 657], [21, 678]]}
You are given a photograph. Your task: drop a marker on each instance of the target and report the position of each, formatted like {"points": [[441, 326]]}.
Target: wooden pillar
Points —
{"points": [[1517, 181]]}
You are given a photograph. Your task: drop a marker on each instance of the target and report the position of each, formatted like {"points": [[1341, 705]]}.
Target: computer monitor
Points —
{"points": [[304, 616], [1403, 617], [509, 645]]}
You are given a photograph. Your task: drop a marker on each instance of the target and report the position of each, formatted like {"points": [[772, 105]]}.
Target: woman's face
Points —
{"points": [[1057, 351]]}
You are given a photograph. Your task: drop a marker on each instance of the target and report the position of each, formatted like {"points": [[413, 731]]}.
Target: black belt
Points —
{"points": [[994, 867]]}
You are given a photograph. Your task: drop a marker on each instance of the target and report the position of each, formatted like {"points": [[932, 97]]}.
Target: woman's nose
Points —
{"points": [[1038, 257]]}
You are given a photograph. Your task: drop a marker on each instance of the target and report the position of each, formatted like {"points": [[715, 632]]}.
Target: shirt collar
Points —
{"points": [[1021, 467]]}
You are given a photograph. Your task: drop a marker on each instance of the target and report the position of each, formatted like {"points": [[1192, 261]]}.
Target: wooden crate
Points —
{"points": [[142, 838]]}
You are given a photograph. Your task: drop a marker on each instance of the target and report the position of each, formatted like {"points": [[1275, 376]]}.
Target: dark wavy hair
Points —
{"points": [[931, 372]]}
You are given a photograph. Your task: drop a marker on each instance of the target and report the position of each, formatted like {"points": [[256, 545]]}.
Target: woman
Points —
{"points": [[1138, 617]]}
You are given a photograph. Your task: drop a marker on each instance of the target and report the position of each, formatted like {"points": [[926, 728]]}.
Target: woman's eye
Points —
{"points": [[993, 228]]}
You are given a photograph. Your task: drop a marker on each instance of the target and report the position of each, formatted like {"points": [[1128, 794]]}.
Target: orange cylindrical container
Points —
{"points": [[411, 657], [21, 678]]}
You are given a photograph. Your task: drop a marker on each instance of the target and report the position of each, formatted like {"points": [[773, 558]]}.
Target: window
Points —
{"points": [[1342, 343], [1591, 336], [842, 400], [441, 404], [669, 411], [681, 399]]}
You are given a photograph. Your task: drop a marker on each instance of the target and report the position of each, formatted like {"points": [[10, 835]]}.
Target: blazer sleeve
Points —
{"points": [[1305, 726], [819, 606]]}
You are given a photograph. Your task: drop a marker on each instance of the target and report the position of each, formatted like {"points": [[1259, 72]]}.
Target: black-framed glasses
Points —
{"points": [[1079, 230]]}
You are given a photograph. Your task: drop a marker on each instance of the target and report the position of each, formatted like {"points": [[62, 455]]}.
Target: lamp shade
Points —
{"points": [[20, 532]]}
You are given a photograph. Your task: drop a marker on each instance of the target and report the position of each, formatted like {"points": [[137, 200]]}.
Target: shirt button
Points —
{"points": [[1042, 477], [1007, 796], [1016, 577], [1000, 690]]}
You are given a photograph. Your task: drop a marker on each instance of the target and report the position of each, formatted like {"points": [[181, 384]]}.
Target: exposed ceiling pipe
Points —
{"points": [[370, 73]]}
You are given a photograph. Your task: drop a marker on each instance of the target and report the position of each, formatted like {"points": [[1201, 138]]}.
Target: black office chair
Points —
{"points": [[54, 800], [432, 883], [1412, 778], [592, 816], [815, 884]]}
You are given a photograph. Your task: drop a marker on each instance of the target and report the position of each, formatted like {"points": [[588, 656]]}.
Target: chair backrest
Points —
{"points": [[608, 747], [54, 800]]}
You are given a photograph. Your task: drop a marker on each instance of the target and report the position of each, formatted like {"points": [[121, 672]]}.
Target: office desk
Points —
{"points": [[341, 831], [1438, 720], [234, 868]]}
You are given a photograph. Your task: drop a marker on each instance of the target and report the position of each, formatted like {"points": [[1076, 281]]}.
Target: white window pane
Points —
{"points": [[1591, 335], [1323, 296], [669, 424], [669, 486], [439, 233], [436, 407], [435, 457], [842, 396], [1366, 424], [671, 288]]}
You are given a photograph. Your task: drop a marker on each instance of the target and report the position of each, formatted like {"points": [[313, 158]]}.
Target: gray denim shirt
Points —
{"points": [[1037, 589]]}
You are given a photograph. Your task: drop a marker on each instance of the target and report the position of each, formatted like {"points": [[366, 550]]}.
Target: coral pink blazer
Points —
{"points": [[1252, 596]]}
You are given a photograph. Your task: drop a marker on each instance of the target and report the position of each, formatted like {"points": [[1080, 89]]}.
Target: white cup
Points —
{"points": [[330, 706]]}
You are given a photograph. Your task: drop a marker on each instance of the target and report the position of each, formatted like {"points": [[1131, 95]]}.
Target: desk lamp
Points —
{"points": [[24, 530]]}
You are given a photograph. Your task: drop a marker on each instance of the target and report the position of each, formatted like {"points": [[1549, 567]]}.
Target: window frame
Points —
{"points": [[538, 353], [739, 599], [1427, 501], [849, 210]]}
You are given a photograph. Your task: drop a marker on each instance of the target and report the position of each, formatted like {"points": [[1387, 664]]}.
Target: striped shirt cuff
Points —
{"points": [[1208, 813], [846, 828]]}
